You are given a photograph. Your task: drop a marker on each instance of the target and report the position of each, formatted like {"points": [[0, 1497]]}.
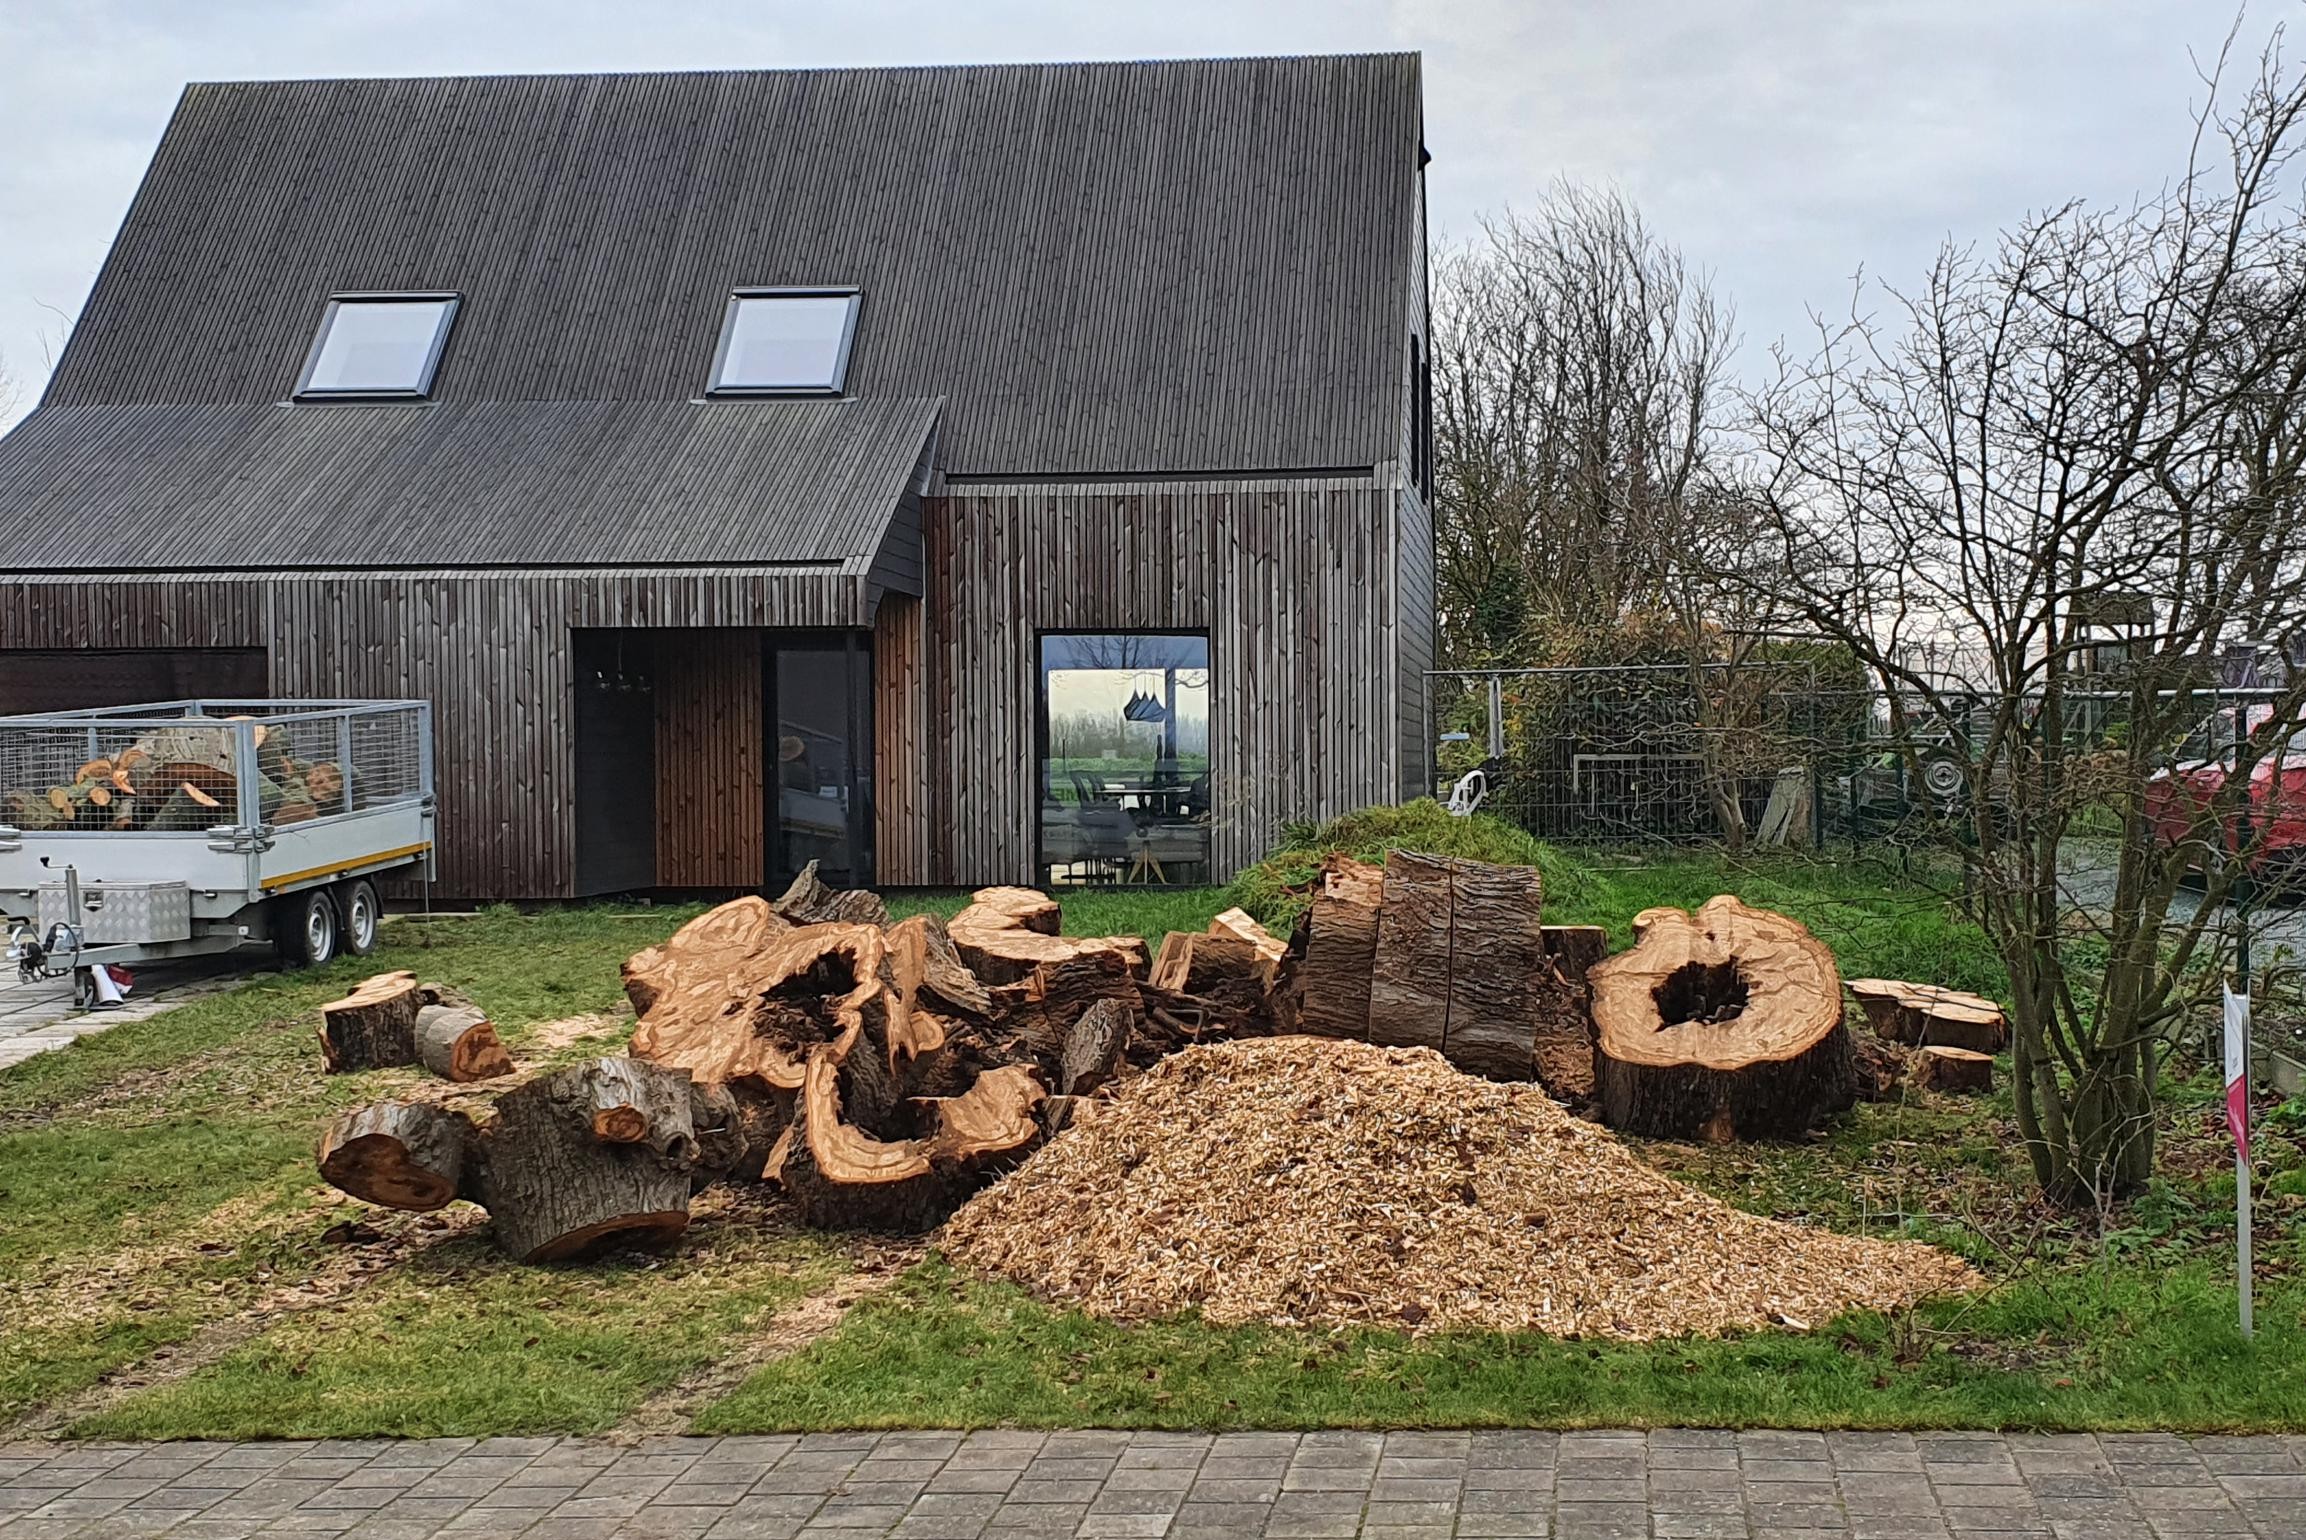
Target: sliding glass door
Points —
{"points": [[820, 756]]}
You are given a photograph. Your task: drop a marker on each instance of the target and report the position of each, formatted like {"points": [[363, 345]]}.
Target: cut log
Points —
{"points": [[1006, 933], [458, 1042], [1925, 1015], [401, 1155], [636, 1102], [374, 1027], [554, 1190], [808, 901], [1238, 924], [1953, 1069], [1331, 988], [1725, 1024], [1095, 1048], [1196, 962], [1880, 1068]]}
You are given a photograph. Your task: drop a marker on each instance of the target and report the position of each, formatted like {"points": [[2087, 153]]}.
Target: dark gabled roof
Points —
{"points": [[461, 484], [1199, 266]]}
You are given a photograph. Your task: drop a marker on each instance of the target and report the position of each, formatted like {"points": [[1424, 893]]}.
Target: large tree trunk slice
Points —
{"points": [[1726, 1024], [1926, 1015], [400, 1155], [747, 1001]]}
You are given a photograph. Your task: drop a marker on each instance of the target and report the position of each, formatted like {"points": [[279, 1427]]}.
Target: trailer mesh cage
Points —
{"points": [[193, 765]]}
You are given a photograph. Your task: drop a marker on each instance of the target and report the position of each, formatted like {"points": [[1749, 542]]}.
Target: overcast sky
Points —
{"points": [[1784, 144]]}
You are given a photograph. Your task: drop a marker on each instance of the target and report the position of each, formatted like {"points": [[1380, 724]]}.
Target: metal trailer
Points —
{"points": [[135, 888]]}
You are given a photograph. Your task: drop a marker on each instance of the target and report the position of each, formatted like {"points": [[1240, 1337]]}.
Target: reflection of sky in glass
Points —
{"points": [[1098, 695]]}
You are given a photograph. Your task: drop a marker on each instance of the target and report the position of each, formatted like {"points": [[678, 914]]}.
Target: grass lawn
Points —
{"points": [[170, 1264]]}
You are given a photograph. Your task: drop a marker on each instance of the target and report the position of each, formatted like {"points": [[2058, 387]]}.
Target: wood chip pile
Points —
{"points": [[1300, 1181]]}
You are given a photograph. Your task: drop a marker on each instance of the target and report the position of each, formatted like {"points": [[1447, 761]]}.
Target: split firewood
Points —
{"points": [[808, 901], [1725, 1024], [1239, 924], [374, 1027], [1192, 962], [1006, 933], [1959, 1070], [458, 1042], [1925, 1015], [408, 1155], [1329, 988]]}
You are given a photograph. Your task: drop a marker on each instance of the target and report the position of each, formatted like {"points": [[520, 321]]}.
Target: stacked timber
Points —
{"points": [[184, 776]]}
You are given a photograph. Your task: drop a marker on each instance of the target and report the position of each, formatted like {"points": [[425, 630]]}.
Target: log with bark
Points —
{"points": [[1725, 1024], [578, 1160], [808, 901], [1926, 1015], [376, 1027], [459, 1042], [1329, 987], [1959, 1070]]}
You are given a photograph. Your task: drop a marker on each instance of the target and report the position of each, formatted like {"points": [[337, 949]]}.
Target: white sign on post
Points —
{"points": [[2238, 1124]]}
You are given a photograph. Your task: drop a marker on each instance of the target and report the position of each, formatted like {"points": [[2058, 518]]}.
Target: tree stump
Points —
{"points": [[1927, 1015], [399, 1155], [1726, 1024], [458, 1042], [374, 1027], [1959, 1070]]}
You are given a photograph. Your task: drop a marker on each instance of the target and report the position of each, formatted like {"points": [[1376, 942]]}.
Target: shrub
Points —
{"points": [[1278, 889]]}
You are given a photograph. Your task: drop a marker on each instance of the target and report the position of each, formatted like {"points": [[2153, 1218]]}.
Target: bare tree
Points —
{"points": [[2090, 435], [1578, 377]]}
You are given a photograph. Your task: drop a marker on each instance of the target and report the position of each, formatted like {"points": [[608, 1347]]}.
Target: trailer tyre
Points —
{"points": [[308, 929], [363, 913]]}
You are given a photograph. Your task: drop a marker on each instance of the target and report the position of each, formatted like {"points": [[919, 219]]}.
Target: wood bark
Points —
{"points": [[458, 1042], [1330, 991], [808, 901], [1880, 1068], [1926, 1015], [374, 1027], [1725, 1024], [554, 1189], [1959, 1070], [400, 1155], [1095, 1049]]}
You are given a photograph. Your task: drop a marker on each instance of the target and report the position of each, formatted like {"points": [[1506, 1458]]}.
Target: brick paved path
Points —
{"points": [[939, 1486]]}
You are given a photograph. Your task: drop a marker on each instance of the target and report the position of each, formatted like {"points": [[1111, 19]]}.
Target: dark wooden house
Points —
{"points": [[958, 475]]}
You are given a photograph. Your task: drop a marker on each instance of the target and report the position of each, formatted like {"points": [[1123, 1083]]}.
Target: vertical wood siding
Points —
{"points": [[1294, 585], [900, 745], [710, 796], [490, 651]]}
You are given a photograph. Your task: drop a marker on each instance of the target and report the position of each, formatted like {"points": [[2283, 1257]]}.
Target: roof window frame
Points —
{"points": [[306, 391], [853, 293]]}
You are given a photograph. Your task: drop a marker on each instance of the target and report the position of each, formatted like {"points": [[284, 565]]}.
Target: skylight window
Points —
{"points": [[786, 341], [378, 345]]}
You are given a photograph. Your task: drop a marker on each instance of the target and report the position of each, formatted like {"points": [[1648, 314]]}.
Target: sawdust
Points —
{"points": [[1306, 1181]]}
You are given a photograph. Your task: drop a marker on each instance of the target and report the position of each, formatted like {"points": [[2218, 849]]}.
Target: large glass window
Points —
{"points": [[1124, 758], [378, 345], [786, 340]]}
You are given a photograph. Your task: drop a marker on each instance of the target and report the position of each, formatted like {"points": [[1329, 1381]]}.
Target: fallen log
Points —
{"points": [[1927, 1015], [555, 1188], [458, 1042], [399, 1155], [1958, 1070], [1725, 1024]]}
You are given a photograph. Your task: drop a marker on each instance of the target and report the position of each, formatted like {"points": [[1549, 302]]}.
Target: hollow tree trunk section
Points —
{"points": [[1725, 1024]]}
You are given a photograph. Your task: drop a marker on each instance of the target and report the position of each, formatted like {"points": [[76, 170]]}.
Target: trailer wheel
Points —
{"points": [[307, 930], [358, 903]]}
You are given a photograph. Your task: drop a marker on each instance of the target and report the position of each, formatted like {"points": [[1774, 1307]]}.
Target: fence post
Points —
{"points": [[1496, 717]]}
